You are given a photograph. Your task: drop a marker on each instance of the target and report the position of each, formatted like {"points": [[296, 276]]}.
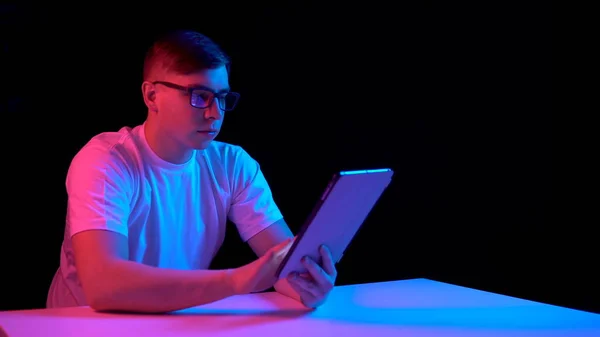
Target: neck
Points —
{"points": [[164, 146]]}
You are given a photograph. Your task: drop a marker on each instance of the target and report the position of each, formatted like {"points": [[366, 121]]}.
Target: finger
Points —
{"points": [[305, 296], [274, 256], [283, 252], [328, 264], [283, 246], [306, 276], [279, 251], [321, 278], [304, 285]]}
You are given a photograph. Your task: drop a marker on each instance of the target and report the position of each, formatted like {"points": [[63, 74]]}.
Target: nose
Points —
{"points": [[213, 111]]}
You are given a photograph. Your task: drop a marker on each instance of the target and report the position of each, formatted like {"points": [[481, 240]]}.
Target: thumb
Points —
{"points": [[280, 250], [273, 257]]}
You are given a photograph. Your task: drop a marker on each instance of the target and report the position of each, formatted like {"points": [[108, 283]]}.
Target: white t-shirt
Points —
{"points": [[174, 215]]}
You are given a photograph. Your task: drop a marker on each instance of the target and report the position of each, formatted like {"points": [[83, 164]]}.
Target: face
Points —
{"points": [[185, 125]]}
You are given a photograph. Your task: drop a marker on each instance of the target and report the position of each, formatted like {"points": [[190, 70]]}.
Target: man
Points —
{"points": [[147, 206]]}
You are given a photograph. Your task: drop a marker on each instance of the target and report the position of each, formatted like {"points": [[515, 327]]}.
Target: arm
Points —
{"points": [[253, 206], [111, 282], [101, 187]]}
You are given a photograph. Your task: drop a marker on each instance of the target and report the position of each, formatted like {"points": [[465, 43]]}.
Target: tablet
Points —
{"points": [[337, 216]]}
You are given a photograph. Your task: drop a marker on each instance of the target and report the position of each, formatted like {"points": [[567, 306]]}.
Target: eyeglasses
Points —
{"points": [[202, 98]]}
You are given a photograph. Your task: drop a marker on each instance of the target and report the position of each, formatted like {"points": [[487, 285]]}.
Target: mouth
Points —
{"points": [[210, 132]]}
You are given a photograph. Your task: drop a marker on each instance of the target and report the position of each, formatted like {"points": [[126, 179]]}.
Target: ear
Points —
{"points": [[149, 95]]}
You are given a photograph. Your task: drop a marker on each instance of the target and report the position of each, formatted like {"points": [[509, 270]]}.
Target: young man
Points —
{"points": [[147, 206]]}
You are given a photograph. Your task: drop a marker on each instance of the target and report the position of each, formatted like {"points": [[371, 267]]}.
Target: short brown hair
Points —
{"points": [[183, 52]]}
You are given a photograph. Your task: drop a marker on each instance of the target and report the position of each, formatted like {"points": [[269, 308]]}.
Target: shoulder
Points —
{"points": [[233, 164], [108, 154], [231, 157]]}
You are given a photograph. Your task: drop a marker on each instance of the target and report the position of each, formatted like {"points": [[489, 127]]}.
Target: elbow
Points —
{"points": [[100, 298], [102, 303], [101, 293], [102, 287], [113, 297]]}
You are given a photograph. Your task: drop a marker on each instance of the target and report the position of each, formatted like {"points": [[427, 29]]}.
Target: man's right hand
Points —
{"points": [[259, 275]]}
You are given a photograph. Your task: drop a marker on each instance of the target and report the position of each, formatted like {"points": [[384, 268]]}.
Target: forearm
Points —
{"points": [[130, 286]]}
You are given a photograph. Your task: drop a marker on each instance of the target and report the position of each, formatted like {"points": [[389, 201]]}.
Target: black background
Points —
{"points": [[455, 98]]}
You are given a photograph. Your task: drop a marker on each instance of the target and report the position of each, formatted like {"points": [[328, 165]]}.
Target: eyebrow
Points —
{"points": [[201, 86]]}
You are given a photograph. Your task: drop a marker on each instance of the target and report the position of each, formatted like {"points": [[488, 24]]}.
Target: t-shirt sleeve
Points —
{"points": [[99, 191], [253, 207]]}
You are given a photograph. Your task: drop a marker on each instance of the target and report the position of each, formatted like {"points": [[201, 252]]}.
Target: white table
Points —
{"points": [[416, 307]]}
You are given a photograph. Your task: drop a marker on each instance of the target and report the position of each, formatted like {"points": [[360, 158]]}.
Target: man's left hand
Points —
{"points": [[315, 285]]}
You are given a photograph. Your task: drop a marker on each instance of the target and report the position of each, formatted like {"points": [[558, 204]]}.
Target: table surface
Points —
{"points": [[415, 307]]}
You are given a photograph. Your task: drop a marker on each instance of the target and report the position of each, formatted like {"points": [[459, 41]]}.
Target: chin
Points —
{"points": [[200, 145], [200, 142]]}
